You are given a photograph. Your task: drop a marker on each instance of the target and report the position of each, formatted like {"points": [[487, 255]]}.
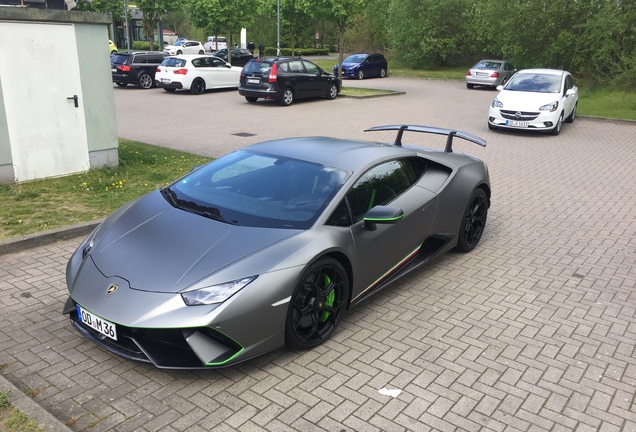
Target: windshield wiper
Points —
{"points": [[208, 212], [171, 196]]}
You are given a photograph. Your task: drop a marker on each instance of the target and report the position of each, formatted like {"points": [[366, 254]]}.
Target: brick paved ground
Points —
{"points": [[534, 330]]}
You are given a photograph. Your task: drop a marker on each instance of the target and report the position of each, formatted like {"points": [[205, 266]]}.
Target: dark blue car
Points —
{"points": [[363, 66]]}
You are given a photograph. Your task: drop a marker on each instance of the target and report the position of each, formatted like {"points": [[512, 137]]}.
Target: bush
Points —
{"points": [[286, 52], [144, 46]]}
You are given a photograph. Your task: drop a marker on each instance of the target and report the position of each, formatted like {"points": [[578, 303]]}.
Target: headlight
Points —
{"points": [[496, 103], [216, 293], [552, 106]]}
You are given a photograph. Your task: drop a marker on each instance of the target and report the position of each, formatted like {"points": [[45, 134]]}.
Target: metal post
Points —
{"points": [[127, 28], [278, 28]]}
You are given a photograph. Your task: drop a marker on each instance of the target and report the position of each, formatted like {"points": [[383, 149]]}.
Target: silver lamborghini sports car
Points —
{"points": [[270, 245]]}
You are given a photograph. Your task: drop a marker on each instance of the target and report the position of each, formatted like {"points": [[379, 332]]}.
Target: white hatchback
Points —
{"points": [[196, 73], [535, 99], [185, 47]]}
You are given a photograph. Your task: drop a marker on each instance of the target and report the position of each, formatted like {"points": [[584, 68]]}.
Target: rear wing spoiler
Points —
{"points": [[429, 129]]}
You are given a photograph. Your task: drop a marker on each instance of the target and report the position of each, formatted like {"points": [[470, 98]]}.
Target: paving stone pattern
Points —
{"points": [[535, 330]]}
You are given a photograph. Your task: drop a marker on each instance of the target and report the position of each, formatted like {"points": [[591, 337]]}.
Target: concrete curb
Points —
{"points": [[389, 93], [18, 244], [30, 408]]}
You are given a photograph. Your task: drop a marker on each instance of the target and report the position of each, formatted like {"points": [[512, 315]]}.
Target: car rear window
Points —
{"points": [[173, 62], [119, 59], [256, 66]]}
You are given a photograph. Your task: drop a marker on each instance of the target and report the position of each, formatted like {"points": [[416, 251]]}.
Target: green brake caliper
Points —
{"points": [[324, 315]]}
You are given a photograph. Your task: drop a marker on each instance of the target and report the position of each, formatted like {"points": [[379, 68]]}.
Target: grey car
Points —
{"points": [[270, 245], [491, 73]]}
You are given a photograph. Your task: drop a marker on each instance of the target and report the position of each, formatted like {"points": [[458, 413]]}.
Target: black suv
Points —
{"points": [[136, 68], [285, 79]]}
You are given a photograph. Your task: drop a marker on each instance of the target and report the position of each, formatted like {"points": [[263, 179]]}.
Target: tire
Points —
{"points": [[470, 86], [288, 97], [382, 73], [317, 305], [572, 116], [121, 84], [473, 221], [557, 129], [333, 92], [179, 52], [169, 90], [201, 52], [251, 99], [197, 87], [145, 81], [360, 74]]}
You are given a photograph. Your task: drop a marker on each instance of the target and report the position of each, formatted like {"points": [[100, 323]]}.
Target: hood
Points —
{"points": [[159, 248], [525, 101]]}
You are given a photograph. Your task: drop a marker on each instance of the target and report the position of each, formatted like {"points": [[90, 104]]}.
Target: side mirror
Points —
{"points": [[570, 92], [382, 215], [500, 87]]}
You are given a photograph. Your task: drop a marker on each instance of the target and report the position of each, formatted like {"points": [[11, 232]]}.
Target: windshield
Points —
{"points": [[258, 190], [356, 58], [535, 82], [173, 62]]}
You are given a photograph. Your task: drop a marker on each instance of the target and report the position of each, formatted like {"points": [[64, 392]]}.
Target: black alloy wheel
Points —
{"points": [[317, 305], [198, 86], [473, 222]]}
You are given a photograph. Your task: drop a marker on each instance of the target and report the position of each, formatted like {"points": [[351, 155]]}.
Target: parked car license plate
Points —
{"points": [[253, 81], [165, 81], [106, 328], [113, 70], [517, 123]]}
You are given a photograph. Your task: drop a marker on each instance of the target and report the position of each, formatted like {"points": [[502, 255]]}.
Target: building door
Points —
{"points": [[43, 100]]}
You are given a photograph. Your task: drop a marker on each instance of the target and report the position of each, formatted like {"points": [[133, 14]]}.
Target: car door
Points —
{"points": [[317, 84], [298, 79], [206, 70], [226, 77], [383, 249], [569, 101], [371, 66]]}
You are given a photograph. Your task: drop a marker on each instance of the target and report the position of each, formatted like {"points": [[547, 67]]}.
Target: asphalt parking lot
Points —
{"points": [[533, 330]]}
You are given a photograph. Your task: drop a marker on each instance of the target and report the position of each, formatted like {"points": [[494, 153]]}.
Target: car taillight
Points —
{"points": [[468, 73], [494, 75], [158, 70], [272, 74], [180, 71], [124, 68]]}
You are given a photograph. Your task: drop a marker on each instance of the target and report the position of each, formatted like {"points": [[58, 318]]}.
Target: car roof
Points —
{"points": [[544, 71], [351, 155]]}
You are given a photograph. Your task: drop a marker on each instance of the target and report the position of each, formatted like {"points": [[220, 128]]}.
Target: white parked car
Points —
{"points": [[185, 47], [196, 73], [535, 99], [215, 43]]}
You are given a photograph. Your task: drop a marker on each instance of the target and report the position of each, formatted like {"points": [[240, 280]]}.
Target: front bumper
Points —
{"points": [[523, 120]]}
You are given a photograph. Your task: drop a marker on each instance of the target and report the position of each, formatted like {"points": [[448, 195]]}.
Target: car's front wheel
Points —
{"points": [[557, 129], [572, 116], [360, 74], [198, 86], [473, 222], [201, 52], [333, 92], [251, 99], [179, 52], [317, 305], [145, 81], [288, 97]]}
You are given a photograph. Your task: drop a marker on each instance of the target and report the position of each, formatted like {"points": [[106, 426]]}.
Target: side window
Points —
{"points": [[296, 66], [140, 59], [311, 68], [379, 186], [217, 62], [341, 216], [284, 67], [197, 63]]}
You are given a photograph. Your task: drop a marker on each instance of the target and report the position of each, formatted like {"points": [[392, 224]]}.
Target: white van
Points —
{"points": [[214, 43]]}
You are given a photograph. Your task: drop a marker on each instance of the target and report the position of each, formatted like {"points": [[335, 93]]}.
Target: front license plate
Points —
{"points": [[253, 81], [516, 123], [165, 81], [106, 328]]}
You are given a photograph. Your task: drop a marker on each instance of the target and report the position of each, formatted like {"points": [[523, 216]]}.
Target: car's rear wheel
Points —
{"points": [[470, 85], [473, 222], [382, 73], [333, 92], [317, 305], [198, 86], [179, 52], [288, 97], [169, 90], [557, 129], [145, 81], [251, 99], [572, 116], [360, 74], [121, 84]]}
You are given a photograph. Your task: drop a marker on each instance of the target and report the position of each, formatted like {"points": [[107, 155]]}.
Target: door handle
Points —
{"points": [[74, 97]]}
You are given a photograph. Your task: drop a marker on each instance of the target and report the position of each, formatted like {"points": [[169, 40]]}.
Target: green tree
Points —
{"points": [[152, 11], [226, 15]]}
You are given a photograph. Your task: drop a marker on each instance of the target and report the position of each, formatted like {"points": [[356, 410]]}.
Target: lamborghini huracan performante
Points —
{"points": [[270, 245]]}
